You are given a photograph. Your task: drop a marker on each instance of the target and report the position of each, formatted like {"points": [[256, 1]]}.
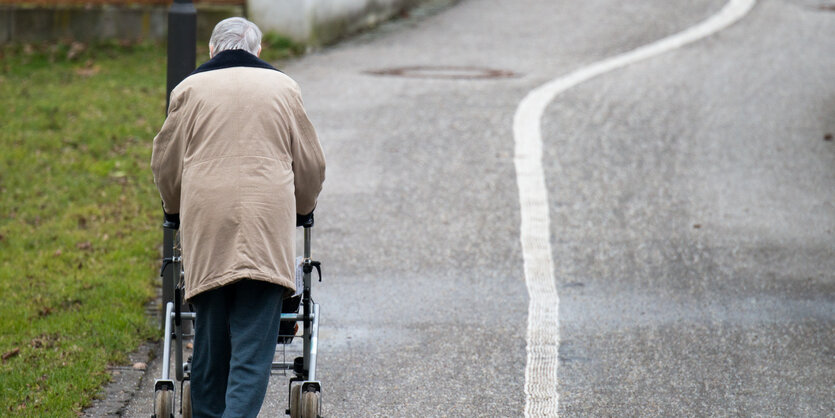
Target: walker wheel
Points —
{"points": [[310, 405], [185, 403], [295, 398], [164, 404]]}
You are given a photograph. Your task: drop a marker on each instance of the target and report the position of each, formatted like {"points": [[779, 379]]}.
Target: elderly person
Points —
{"points": [[237, 158]]}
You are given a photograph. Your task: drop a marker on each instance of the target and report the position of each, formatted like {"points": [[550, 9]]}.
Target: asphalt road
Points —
{"points": [[691, 202]]}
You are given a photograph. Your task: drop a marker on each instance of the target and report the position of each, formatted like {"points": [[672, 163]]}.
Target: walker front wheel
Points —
{"points": [[310, 405], [164, 404], [295, 399]]}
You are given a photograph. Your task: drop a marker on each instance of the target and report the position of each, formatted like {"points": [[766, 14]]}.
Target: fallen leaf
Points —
{"points": [[11, 354], [84, 246], [45, 311], [88, 72], [697, 226], [75, 49], [57, 252], [140, 366]]}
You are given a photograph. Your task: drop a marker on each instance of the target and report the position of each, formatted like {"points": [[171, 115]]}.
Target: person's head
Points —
{"points": [[235, 33]]}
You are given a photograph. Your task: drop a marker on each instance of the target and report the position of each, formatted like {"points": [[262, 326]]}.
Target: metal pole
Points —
{"points": [[182, 55], [182, 42], [169, 278], [314, 343], [166, 342], [306, 303]]}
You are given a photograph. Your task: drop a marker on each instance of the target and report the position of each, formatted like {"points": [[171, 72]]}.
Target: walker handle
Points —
{"points": [[305, 220], [171, 220]]}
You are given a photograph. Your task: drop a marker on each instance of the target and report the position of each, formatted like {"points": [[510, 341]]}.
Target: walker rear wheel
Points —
{"points": [[185, 403], [164, 404], [310, 405]]}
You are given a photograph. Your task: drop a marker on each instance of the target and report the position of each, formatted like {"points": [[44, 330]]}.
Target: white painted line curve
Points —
{"points": [[542, 337]]}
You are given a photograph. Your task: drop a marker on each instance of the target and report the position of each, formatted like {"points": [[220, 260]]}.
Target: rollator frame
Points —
{"points": [[304, 390]]}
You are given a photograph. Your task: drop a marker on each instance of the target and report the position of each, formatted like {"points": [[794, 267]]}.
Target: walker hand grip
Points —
{"points": [[172, 220], [304, 220]]}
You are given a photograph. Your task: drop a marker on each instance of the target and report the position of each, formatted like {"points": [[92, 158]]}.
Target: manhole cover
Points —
{"points": [[444, 72]]}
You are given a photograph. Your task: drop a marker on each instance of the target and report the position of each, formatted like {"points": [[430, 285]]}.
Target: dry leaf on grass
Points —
{"points": [[11, 354], [88, 71], [75, 49]]}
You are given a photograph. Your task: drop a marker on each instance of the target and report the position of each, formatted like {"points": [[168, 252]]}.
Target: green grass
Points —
{"points": [[79, 217], [276, 47]]}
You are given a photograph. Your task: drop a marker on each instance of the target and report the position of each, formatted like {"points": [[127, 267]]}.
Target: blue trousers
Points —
{"points": [[234, 342]]}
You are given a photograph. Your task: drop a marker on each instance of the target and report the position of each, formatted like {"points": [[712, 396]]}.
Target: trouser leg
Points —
{"points": [[254, 319], [212, 351]]}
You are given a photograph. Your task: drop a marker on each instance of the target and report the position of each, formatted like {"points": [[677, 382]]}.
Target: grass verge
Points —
{"points": [[79, 217]]}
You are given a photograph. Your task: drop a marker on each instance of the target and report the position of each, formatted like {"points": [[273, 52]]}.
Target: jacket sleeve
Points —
{"points": [[308, 159], [167, 156]]}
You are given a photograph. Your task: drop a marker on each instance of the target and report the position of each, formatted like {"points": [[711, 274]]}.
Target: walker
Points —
{"points": [[305, 392]]}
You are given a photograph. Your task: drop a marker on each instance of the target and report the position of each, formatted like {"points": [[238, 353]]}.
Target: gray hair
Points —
{"points": [[236, 33]]}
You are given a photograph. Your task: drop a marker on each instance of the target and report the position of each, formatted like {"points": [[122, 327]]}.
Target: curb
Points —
{"points": [[113, 399]]}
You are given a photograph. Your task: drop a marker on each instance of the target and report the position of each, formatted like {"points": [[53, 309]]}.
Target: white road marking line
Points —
{"points": [[541, 395]]}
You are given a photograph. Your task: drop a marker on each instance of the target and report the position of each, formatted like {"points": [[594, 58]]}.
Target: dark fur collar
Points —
{"points": [[233, 58]]}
